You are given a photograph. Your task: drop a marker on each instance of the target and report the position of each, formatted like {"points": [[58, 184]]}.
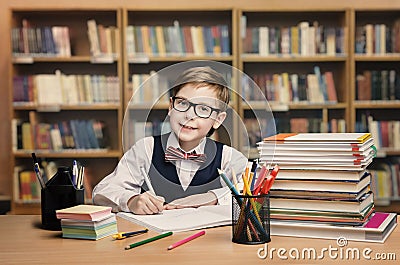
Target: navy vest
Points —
{"points": [[165, 180]]}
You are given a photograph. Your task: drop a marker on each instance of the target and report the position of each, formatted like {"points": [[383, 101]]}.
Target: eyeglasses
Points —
{"points": [[201, 110]]}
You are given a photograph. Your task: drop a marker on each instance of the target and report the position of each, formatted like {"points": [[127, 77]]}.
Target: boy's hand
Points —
{"points": [[146, 203], [193, 201]]}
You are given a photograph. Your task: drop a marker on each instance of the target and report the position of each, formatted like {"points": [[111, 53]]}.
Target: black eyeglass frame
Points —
{"points": [[194, 105]]}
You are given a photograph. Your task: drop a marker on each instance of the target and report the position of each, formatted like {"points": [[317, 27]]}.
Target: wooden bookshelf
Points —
{"points": [[263, 59], [81, 61], [141, 62], [345, 66]]}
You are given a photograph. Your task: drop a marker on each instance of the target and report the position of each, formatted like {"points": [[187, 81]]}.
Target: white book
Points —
{"points": [[93, 38], [263, 43], [130, 40], [186, 219], [304, 38]]}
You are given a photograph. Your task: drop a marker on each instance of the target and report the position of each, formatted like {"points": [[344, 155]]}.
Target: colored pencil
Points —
{"points": [[151, 239], [183, 241]]}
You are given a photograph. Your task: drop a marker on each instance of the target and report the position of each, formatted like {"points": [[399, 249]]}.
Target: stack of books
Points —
{"points": [[87, 222], [323, 182]]}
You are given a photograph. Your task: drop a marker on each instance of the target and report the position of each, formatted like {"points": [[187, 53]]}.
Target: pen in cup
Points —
{"points": [[75, 173], [147, 180], [37, 171]]}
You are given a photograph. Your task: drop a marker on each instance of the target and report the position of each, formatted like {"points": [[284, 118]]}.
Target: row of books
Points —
{"points": [[284, 88], [26, 186], [139, 129], [386, 181], [61, 89], [323, 183], [40, 41], [386, 133], [304, 39], [63, 135], [378, 85], [378, 38], [104, 41], [177, 40], [150, 88], [156, 87], [258, 128]]}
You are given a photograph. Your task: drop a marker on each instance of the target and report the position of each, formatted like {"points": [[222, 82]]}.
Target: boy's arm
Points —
{"points": [[125, 181], [193, 201]]}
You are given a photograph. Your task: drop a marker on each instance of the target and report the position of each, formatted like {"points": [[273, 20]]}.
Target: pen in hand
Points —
{"points": [[147, 181]]}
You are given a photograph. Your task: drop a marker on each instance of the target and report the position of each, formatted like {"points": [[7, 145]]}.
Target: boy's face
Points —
{"points": [[189, 128]]}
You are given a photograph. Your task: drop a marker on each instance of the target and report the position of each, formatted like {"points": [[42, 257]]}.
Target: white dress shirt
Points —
{"points": [[126, 180]]}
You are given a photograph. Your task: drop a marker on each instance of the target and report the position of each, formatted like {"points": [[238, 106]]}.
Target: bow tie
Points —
{"points": [[174, 154]]}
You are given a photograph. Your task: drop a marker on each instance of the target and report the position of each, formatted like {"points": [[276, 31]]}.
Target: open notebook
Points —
{"points": [[186, 219]]}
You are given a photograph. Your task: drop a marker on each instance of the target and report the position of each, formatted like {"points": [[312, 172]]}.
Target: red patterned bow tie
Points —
{"points": [[174, 154]]}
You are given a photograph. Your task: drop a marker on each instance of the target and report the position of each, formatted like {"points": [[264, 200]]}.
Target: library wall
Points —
{"points": [[5, 25]]}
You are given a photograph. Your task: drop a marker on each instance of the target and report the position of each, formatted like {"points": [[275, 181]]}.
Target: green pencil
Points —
{"points": [[148, 240]]}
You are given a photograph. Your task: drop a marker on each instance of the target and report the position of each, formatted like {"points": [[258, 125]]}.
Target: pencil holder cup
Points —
{"points": [[59, 193], [250, 219]]}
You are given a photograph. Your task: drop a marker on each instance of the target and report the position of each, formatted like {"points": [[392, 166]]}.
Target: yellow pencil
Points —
{"points": [[253, 205]]}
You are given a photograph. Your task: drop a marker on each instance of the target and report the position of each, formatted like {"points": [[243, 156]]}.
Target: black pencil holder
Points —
{"points": [[250, 219], [59, 193]]}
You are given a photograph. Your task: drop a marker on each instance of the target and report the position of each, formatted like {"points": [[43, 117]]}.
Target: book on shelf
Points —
{"points": [[377, 38], [73, 134], [177, 40], [150, 88], [32, 41], [378, 85], [103, 41], [305, 39], [386, 181], [26, 186], [285, 88], [186, 219], [62, 89], [377, 229]]}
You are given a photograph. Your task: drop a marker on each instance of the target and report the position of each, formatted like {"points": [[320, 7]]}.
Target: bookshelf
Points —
{"points": [[61, 83], [375, 94], [344, 65], [273, 53], [156, 39]]}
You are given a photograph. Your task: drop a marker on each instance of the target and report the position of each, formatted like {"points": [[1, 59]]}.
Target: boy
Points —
{"points": [[197, 108]]}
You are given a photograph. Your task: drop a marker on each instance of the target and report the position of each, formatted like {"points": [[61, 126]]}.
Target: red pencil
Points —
{"points": [[183, 241]]}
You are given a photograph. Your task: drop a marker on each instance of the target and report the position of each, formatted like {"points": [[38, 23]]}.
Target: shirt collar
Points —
{"points": [[174, 142]]}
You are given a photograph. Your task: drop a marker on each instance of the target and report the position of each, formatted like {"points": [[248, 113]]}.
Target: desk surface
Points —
{"points": [[22, 241]]}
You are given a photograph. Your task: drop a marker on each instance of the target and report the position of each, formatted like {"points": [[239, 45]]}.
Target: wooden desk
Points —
{"points": [[23, 242]]}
